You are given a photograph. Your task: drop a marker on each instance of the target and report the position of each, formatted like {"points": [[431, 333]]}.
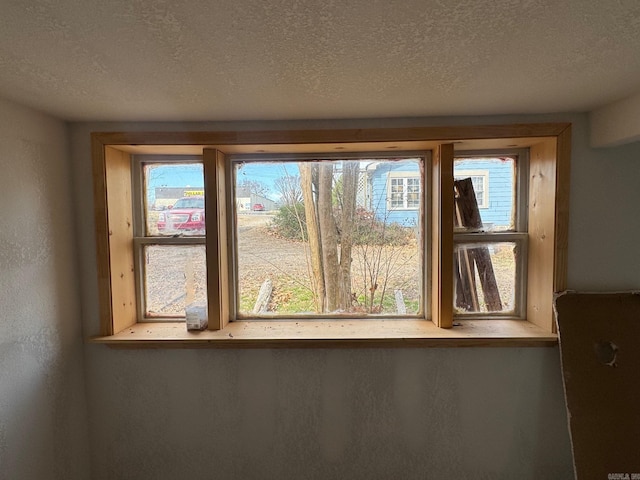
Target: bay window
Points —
{"points": [[420, 236]]}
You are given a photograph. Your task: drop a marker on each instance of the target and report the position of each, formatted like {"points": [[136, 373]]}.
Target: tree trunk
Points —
{"points": [[313, 231], [329, 236], [349, 192]]}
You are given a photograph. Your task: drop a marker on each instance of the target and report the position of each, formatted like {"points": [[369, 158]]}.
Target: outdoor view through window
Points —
{"points": [[173, 258], [340, 236], [489, 238], [332, 237]]}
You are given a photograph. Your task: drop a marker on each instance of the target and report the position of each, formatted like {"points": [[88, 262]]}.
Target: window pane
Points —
{"points": [[174, 277], [485, 277], [493, 180], [327, 239], [413, 192], [397, 193], [174, 194]]}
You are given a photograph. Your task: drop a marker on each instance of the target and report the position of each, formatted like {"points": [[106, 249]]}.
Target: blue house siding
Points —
{"points": [[499, 186], [499, 209]]}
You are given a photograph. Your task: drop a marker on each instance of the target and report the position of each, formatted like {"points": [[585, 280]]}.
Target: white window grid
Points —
{"points": [[404, 193], [480, 181]]}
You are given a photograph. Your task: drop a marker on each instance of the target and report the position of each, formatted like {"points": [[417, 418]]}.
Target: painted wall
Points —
{"points": [[317, 414], [43, 420]]}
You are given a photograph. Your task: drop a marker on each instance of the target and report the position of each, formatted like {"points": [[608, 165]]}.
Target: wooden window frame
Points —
{"points": [[517, 234], [423, 160], [140, 237], [549, 160]]}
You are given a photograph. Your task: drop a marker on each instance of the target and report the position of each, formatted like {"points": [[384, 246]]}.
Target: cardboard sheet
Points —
{"points": [[600, 350]]}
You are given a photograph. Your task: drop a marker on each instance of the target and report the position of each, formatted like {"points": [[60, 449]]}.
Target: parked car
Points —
{"points": [[258, 207], [185, 216]]}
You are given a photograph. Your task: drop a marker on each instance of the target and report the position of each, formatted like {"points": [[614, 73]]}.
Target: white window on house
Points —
{"points": [[404, 192], [398, 192], [413, 193], [480, 180]]}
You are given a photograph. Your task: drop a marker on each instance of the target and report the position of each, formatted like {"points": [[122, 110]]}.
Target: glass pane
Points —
{"points": [[397, 192], [358, 255], [413, 192], [485, 277], [174, 194], [494, 185], [175, 277]]}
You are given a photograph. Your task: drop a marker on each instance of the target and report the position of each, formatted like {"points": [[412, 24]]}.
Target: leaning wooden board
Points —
{"points": [[600, 349]]}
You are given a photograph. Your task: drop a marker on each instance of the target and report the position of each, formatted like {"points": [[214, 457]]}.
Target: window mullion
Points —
{"points": [[217, 247], [489, 237], [195, 240], [405, 191], [442, 237]]}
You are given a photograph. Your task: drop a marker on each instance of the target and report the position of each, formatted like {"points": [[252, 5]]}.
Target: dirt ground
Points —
{"points": [[177, 275], [261, 256]]}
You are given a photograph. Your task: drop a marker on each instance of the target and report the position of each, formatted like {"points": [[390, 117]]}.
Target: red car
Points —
{"points": [[185, 216], [258, 207]]}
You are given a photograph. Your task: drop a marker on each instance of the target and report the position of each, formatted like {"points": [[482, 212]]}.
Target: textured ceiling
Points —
{"points": [[295, 59]]}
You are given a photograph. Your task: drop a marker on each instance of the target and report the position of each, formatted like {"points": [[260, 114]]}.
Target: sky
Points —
{"points": [[190, 175]]}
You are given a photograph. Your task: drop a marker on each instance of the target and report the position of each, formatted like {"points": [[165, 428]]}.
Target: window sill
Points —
{"points": [[334, 334]]}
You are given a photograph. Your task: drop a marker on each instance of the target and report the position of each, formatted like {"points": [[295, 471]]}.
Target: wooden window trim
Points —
{"points": [[549, 146], [518, 234]]}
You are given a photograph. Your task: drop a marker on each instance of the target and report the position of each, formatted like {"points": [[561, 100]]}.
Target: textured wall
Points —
{"points": [[43, 422], [328, 414], [431, 413]]}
